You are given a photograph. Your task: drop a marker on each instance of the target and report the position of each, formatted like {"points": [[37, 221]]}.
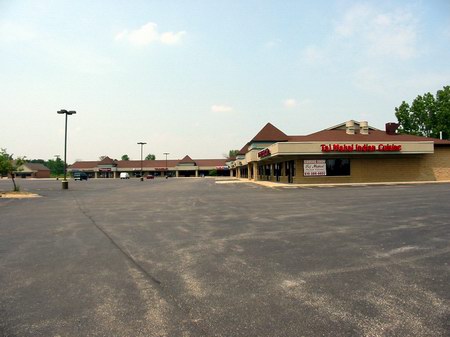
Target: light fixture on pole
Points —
{"points": [[142, 145], [166, 154], [65, 183]]}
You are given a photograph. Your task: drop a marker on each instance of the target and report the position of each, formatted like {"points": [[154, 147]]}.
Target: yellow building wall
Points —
{"points": [[379, 168], [401, 168], [389, 168], [440, 162]]}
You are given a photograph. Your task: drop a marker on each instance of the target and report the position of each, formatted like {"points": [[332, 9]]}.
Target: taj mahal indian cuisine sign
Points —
{"points": [[361, 148]]}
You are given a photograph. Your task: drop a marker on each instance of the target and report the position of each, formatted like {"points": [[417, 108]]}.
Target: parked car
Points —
{"points": [[80, 176], [150, 176], [124, 175]]}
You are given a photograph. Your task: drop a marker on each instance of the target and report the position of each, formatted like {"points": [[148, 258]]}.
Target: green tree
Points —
{"points": [[443, 111], [125, 157], [56, 166], [150, 157], [8, 166], [426, 115], [231, 154], [37, 161]]}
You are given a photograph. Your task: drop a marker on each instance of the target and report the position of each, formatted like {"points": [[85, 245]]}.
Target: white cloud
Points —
{"points": [[272, 44], [370, 79], [148, 34], [11, 32], [221, 108], [172, 38], [313, 55], [390, 34], [353, 19], [290, 103]]}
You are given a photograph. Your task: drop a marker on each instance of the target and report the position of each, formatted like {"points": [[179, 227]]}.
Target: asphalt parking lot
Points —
{"points": [[190, 257]]}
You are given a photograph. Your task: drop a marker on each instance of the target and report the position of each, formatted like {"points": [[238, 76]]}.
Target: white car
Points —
{"points": [[124, 175]]}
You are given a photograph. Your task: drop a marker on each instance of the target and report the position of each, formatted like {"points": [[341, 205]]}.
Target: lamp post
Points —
{"points": [[56, 161], [142, 145], [65, 183], [166, 153]]}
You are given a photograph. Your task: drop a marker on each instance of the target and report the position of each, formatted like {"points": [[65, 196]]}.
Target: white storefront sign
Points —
{"points": [[314, 168]]}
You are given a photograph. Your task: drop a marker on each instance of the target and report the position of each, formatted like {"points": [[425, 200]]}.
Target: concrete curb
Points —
{"points": [[272, 184]]}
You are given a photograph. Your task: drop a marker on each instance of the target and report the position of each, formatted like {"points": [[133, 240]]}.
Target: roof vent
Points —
{"points": [[363, 128], [391, 128], [350, 127]]}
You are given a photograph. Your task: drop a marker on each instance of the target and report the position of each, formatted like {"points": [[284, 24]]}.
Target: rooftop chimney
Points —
{"points": [[391, 128], [363, 128], [350, 127]]}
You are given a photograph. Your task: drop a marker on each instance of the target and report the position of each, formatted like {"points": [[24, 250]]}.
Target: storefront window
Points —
{"points": [[338, 167], [277, 168], [326, 167]]}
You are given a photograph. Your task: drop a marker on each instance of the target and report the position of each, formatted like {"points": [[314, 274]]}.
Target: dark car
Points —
{"points": [[80, 176], [150, 176]]}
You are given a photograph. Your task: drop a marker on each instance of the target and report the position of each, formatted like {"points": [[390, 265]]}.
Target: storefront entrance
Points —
{"points": [[290, 171]]}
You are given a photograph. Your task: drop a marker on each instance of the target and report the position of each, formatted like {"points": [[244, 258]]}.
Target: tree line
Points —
{"points": [[428, 115]]}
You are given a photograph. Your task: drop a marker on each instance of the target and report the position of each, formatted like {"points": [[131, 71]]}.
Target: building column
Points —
{"points": [[231, 173], [176, 173], [196, 173], [96, 174], [115, 174], [255, 172]]}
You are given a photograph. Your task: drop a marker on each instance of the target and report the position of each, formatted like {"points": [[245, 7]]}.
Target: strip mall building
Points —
{"points": [[351, 152], [186, 167]]}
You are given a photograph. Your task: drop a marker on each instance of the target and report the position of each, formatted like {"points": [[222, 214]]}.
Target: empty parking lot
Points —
{"points": [[190, 257]]}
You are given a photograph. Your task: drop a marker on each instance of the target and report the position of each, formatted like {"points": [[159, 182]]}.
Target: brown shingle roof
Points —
{"points": [[373, 136], [270, 133], [36, 166], [129, 164], [84, 165], [211, 162], [106, 161], [146, 163], [244, 150], [186, 160]]}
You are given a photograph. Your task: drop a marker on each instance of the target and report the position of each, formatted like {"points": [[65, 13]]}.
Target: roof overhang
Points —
{"points": [[344, 148]]}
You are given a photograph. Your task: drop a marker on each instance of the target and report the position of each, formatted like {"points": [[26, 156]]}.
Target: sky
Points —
{"points": [[202, 77]]}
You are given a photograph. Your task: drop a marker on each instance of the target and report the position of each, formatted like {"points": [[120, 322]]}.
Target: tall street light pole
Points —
{"points": [[65, 183], [166, 154], [56, 161], [142, 145]]}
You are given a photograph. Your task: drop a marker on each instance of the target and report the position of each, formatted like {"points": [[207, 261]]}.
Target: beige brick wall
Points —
{"points": [[440, 162], [388, 168]]}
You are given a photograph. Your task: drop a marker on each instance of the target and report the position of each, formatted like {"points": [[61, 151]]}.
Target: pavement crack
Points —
{"points": [[115, 244], [195, 323]]}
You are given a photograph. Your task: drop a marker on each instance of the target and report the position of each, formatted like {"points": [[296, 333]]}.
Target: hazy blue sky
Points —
{"points": [[202, 77]]}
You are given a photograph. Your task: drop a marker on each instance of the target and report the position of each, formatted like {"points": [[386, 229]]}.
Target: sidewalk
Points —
{"points": [[284, 185]]}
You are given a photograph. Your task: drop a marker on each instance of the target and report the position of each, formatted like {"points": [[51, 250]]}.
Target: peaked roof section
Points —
{"points": [[342, 126], [106, 161], [244, 150], [337, 135], [270, 133], [36, 166], [186, 160]]}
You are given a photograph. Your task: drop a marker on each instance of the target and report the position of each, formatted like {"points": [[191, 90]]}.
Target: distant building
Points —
{"points": [[350, 152], [33, 170], [186, 167]]}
